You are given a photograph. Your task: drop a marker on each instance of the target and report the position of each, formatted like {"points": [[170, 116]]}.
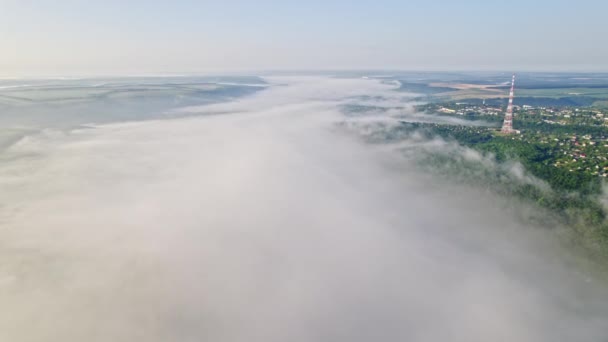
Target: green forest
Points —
{"points": [[573, 194]]}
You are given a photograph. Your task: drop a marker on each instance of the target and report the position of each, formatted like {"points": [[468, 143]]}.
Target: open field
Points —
{"points": [[462, 86], [564, 92], [596, 96]]}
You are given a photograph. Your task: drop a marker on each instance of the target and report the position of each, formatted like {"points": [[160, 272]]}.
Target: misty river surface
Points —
{"points": [[267, 222]]}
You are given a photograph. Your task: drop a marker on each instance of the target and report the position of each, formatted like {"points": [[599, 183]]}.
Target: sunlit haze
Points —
{"points": [[149, 37]]}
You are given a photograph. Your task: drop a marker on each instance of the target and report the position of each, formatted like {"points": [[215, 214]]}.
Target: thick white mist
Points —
{"points": [[263, 222]]}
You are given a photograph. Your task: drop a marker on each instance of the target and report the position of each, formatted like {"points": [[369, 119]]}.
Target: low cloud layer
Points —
{"points": [[266, 223]]}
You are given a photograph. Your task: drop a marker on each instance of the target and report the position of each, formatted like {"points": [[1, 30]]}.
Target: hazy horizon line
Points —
{"points": [[278, 71]]}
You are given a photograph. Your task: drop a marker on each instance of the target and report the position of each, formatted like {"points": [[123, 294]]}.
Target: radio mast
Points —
{"points": [[507, 125]]}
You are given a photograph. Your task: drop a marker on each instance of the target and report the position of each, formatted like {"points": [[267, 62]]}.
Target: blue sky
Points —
{"points": [[129, 37]]}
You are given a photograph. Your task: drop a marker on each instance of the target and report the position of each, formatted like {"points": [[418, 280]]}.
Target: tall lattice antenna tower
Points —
{"points": [[507, 125]]}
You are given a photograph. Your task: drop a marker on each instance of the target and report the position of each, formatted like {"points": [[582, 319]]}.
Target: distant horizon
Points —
{"points": [[287, 71]]}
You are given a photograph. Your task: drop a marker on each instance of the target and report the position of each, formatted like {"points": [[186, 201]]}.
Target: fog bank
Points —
{"points": [[264, 222]]}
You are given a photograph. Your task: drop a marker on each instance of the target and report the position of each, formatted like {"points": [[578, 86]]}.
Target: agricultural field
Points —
{"points": [[532, 89]]}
